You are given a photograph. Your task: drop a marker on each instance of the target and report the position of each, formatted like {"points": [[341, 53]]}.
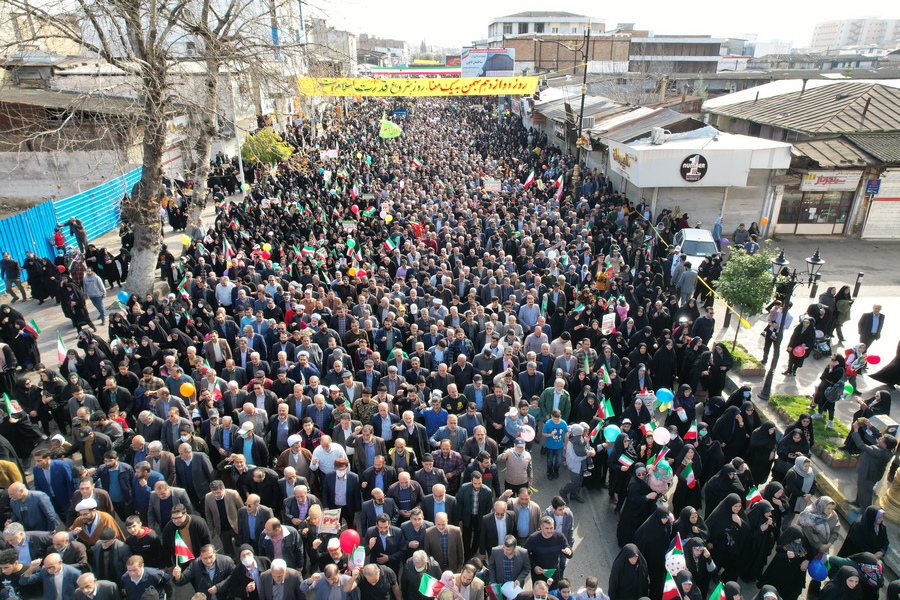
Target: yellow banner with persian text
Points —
{"points": [[436, 86]]}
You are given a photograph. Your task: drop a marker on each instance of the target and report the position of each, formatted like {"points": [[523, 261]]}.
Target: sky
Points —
{"points": [[459, 22]]}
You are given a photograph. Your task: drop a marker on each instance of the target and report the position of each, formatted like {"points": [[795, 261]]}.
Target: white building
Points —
{"points": [[537, 22], [332, 52], [855, 32]]}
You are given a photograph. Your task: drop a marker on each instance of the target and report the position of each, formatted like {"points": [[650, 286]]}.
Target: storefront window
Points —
{"points": [[790, 206], [814, 207]]}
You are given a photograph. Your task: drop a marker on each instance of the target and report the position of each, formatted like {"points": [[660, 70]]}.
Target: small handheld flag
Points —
{"points": [[688, 474], [670, 590], [753, 495], [530, 180], [182, 552], [60, 349], [692, 432], [11, 406], [718, 593], [429, 586]]}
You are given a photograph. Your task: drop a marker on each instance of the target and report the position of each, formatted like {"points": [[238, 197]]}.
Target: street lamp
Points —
{"points": [[584, 48], [789, 281]]}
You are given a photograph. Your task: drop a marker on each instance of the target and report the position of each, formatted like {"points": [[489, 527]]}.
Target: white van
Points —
{"points": [[697, 244]]}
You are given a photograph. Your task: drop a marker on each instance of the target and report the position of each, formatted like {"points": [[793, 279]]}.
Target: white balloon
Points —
{"points": [[661, 436]]}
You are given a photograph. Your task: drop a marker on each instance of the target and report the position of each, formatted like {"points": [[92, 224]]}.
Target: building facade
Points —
{"points": [[855, 32], [540, 23]]}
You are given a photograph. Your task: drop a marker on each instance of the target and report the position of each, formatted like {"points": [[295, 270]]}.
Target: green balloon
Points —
{"points": [[351, 243], [848, 387]]}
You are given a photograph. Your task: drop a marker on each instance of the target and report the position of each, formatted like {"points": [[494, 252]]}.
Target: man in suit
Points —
{"points": [[219, 502], [32, 509], [379, 475], [55, 588], [415, 434], [414, 531], [224, 438], [287, 484], [247, 435], [473, 502], [191, 528], [208, 574], [295, 508], [121, 490], [88, 491], [91, 588], [162, 500], [377, 506], [351, 390], [72, 551], [509, 562], [477, 443], [54, 478], [171, 433], [108, 556], [384, 543], [280, 582], [366, 447], [252, 519], [454, 557], [285, 536], [161, 461], [149, 426], [281, 426], [438, 501], [37, 542], [495, 527], [139, 580], [870, 326], [216, 351], [467, 584], [194, 473], [341, 490]]}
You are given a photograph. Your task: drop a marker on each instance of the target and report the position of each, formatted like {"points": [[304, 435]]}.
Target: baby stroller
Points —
{"points": [[822, 346]]}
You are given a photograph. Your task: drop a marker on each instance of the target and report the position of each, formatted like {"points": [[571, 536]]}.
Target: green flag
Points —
{"points": [[389, 130]]}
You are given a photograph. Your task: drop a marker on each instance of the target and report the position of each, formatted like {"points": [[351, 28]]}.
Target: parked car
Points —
{"points": [[697, 244]]}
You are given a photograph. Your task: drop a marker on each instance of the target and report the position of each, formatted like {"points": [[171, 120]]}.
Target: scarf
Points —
{"points": [[808, 477]]}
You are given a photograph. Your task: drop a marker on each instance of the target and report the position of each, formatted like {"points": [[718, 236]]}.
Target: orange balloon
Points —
{"points": [[764, 221], [187, 389]]}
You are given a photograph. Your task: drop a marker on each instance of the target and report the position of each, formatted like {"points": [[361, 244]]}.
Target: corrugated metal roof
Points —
{"points": [[638, 128], [556, 110], [74, 101], [883, 146], [841, 107], [834, 152]]}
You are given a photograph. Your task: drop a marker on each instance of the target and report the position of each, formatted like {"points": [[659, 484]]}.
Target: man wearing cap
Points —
{"points": [[92, 445], [340, 489], [519, 468], [351, 390], [91, 523], [108, 556], [251, 446]]}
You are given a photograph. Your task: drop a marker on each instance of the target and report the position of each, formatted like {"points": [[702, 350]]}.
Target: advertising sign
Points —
{"points": [[488, 62], [872, 186], [830, 181], [438, 86], [694, 167]]}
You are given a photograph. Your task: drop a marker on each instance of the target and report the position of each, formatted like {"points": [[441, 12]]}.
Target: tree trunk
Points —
{"points": [[203, 146], [143, 208], [737, 327]]}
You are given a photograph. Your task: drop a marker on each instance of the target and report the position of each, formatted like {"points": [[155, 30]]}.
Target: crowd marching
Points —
{"points": [[361, 362]]}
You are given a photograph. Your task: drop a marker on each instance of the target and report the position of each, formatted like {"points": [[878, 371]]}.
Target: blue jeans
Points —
{"points": [[97, 301], [554, 460]]}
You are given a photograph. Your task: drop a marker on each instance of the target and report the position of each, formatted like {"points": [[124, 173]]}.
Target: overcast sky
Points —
{"points": [[454, 23]]}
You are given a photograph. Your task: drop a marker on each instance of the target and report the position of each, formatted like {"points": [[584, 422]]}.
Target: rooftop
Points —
{"points": [[72, 101], [834, 152], [541, 14], [883, 146]]}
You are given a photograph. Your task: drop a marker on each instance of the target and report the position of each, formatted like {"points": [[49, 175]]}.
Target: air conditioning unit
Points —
{"points": [[658, 136]]}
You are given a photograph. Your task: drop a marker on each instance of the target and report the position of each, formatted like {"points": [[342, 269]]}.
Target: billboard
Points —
{"points": [[452, 60], [830, 181], [488, 62], [360, 86]]}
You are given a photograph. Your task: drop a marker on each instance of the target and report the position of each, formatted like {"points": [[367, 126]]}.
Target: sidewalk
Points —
{"points": [[880, 285]]}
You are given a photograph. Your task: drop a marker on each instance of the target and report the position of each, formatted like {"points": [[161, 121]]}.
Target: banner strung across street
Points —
{"points": [[471, 86]]}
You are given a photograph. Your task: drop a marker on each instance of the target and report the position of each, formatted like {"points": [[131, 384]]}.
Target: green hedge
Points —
{"points": [[826, 439], [744, 360]]}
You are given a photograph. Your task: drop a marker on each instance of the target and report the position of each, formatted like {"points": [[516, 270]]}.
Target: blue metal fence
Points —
{"points": [[98, 208]]}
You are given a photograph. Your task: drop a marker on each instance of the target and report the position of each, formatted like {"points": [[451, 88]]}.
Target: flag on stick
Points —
{"points": [[718, 593], [753, 496], [182, 552], [60, 349], [688, 474], [429, 586], [530, 180], [625, 460], [692, 432], [670, 590], [34, 326], [11, 406], [559, 192], [605, 410]]}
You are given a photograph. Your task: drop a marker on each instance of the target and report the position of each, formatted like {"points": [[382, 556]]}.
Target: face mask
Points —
{"points": [[703, 433], [420, 569], [746, 394], [184, 438], [247, 561], [340, 472]]}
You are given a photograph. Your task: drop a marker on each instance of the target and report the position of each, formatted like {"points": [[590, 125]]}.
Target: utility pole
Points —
{"points": [[576, 172]]}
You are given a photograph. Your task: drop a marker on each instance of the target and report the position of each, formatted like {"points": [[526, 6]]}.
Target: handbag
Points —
{"points": [[834, 392]]}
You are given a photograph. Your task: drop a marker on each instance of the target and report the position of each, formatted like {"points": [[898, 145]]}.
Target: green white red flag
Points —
{"points": [[182, 552]]}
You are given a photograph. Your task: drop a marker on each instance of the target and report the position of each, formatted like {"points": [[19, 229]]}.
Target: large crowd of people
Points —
{"points": [[364, 361]]}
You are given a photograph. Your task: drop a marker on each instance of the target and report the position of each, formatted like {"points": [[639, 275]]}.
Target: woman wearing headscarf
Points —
{"points": [[689, 311], [729, 432], [869, 569], [760, 452], [613, 392], [621, 459], [688, 471], [800, 483], [629, 577], [843, 302], [638, 413], [684, 410], [638, 381], [74, 306], [639, 504], [663, 365], [728, 532], [890, 373], [792, 446], [743, 473], [700, 370], [760, 540], [700, 563], [640, 354], [720, 365], [856, 363], [803, 338], [843, 586], [773, 493], [732, 590], [787, 569], [767, 592], [652, 539], [684, 582], [713, 409], [720, 487], [831, 381], [148, 354], [711, 455], [819, 524], [692, 350], [893, 590], [867, 534], [690, 524], [751, 418]]}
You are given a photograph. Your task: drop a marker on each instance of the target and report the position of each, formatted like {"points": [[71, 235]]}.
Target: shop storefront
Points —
{"points": [[820, 205]]}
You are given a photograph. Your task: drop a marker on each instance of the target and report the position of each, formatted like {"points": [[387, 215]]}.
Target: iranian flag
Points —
{"points": [[625, 460], [595, 431], [675, 556], [12, 407], [559, 184], [604, 377], [354, 191], [493, 592], [530, 180], [369, 212], [308, 251], [753, 496], [605, 410], [390, 245], [227, 250], [688, 474], [718, 593], [385, 102], [691, 432], [659, 456], [182, 552], [60, 349], [647, 428], [670, 590], [416, 162], [429, 586]]}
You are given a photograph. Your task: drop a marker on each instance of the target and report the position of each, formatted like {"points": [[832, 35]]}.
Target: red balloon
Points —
{"points": [[266, 255], [61, 268], [873, 359], [349, 541], [799, 351], [354, 209]]}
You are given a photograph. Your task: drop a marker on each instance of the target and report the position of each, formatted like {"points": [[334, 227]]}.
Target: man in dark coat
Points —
{"points": [[873, 461]]}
